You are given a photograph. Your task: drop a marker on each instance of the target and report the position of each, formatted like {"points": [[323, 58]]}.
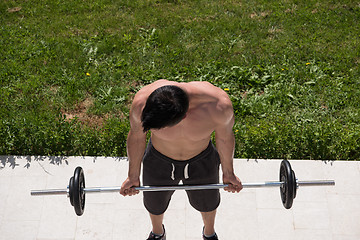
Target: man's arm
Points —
{"points": [[136, 144], [225, 143]]}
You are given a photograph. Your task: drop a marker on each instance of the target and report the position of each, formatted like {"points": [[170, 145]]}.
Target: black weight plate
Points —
{"points": [[287, 189], [295, 184], [71, 191], [79, 194]]}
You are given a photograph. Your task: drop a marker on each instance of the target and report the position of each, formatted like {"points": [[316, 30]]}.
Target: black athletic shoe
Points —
{"points": [[152, 236], [210, 238]]}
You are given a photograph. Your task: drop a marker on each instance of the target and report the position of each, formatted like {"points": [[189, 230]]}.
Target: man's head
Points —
{"points": [[165, 107]]}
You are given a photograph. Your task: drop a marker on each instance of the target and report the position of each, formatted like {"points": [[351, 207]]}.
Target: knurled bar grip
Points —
{"points": [[182, 187]]}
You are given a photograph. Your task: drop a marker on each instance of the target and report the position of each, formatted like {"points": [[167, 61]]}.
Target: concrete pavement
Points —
{"points": [[331, 212]]}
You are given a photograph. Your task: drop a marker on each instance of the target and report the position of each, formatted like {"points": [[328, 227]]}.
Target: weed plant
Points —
{"points": [[69, 71]]}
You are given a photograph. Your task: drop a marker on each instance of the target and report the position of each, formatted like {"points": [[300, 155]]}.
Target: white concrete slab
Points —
{"points": [[317, 213]]}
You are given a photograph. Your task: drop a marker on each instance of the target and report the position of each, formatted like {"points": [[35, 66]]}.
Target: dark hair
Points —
{"points": [[165, 107]]}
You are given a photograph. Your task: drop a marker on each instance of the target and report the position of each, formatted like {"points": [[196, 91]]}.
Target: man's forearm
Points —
{"points": [[136, 144], [226, 147]]}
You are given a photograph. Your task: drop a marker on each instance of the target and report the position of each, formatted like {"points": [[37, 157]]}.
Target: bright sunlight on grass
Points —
{"points": [[69, 71]]}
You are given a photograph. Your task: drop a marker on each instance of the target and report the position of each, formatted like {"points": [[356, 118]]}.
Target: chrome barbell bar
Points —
{"points": [[288, 185], [181, 187]]}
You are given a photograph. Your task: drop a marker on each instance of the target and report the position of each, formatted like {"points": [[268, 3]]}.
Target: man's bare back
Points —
{"points": [[209, 106]]}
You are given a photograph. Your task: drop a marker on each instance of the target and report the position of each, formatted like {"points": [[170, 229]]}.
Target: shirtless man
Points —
{"points": [[181, 117]]}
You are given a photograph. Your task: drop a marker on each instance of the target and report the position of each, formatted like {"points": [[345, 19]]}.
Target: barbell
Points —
{"points": [[288, 184]]}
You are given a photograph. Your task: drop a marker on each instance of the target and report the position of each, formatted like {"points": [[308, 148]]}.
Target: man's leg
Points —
{"points": [[209, 222], [157, 223]]}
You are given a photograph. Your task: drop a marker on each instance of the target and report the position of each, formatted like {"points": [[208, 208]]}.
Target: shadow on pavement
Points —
{"points": [[14, 161]]}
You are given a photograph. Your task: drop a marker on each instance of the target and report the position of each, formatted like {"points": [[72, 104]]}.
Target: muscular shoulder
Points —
{"points": [[224, 111], [208, 91], [212, 93], [220, 105]]}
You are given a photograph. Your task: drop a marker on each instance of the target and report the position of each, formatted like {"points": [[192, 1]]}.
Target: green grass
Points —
{"points": [[69, 70]]}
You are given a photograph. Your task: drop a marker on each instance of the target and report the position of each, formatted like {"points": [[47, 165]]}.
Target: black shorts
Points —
{"points": [[159, 170]]}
